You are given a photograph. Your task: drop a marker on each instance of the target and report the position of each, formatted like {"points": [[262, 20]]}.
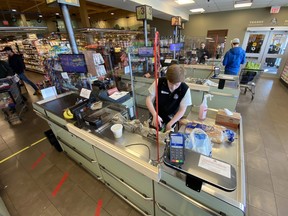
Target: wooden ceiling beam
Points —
{"points": [[102, 11], [34, 6]]}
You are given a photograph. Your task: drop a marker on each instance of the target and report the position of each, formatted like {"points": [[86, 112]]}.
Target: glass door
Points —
{"points": [[274, 51], [267, 48]]}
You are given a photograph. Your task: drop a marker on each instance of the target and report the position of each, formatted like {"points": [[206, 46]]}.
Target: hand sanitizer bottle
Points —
{"points": [[204, 107]]}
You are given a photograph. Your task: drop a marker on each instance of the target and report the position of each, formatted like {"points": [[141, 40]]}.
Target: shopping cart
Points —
{"points": [[11, 101], [248, 78]]}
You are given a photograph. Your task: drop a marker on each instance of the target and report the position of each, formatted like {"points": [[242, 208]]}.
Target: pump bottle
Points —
{"points": [[203, 107]]}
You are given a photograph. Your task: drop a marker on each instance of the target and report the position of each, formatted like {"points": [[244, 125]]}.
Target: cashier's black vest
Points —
{"points": [[169, 102]]}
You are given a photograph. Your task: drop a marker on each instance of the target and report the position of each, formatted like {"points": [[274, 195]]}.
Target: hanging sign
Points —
{"points": [[176, 21], [144, 12], [67, 2]]}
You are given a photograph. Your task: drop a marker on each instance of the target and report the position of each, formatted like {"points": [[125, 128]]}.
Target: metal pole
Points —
{"points": [[145, 32], [132, 85], [146, 43], [69, 28], [175, 41]]}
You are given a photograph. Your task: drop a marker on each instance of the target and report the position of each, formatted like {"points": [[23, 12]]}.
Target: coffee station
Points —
{"points": [[134, 161]]}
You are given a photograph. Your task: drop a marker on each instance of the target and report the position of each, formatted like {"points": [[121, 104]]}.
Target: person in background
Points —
{"points": [[5, 70], [17, 64], [202, 53], [173, 98], [234, 58]]}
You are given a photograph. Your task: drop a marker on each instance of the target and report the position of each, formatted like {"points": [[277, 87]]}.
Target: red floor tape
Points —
{"points": [[98, 209], [38, 161], [57, 188]]}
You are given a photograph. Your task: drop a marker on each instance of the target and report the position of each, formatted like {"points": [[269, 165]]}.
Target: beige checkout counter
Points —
{"points": [[128, 169], [223, 98]]}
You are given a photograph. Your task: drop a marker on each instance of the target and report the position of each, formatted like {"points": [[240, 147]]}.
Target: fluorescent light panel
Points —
{"points": [[181, 2], [197, 10], [241, 4]]}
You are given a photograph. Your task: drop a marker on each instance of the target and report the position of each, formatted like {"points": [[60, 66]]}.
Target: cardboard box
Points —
{"points": [[226, 120]]}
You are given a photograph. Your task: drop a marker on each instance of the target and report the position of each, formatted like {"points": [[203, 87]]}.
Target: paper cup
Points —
{"points": [[117, 130]]}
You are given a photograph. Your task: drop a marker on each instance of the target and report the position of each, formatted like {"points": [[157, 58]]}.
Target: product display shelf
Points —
{"points": [[284, 74], [34, 54]]}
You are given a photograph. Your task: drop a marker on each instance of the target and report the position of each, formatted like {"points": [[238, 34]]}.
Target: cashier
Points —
{"points": [[173, 98]]}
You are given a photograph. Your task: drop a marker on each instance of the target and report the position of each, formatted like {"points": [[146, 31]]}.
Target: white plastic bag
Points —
{"points": [[201, 142]]}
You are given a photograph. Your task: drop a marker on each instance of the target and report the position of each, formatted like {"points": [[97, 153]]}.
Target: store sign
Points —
{"points": [[5, 22], [67, 2], [275, 9], [176, 21], [144, 12]]}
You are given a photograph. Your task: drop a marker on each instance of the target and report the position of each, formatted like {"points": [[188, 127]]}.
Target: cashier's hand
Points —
{"points": [[168, 126], [159, 121]]}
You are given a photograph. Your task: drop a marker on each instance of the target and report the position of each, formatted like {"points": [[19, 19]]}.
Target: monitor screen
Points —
{"points": [[176, 47], [146, 51], [73, 63]]}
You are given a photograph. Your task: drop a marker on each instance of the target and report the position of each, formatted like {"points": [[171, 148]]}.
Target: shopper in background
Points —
{"points": [[173, 98], [202, 53], [234, 58], [17, 64], [5, 70]]}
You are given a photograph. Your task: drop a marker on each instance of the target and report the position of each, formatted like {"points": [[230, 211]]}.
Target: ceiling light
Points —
{"points": [[181, 2], [201, 10], [241, 4], [14, 10], [57, 14], [40, 15], [112, 13]]}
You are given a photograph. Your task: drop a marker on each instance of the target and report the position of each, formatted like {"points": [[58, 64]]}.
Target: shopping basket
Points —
{"points": [[248, 78]]}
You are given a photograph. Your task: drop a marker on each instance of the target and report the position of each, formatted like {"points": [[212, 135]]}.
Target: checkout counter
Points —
{"points": [[129, 165], [198, 74]]}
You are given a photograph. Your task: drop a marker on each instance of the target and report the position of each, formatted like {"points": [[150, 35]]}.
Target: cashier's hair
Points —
{"points": [[175, 74]]}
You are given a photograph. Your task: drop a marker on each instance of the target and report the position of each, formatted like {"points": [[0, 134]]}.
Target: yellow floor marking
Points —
{"points": [[24, 149]]}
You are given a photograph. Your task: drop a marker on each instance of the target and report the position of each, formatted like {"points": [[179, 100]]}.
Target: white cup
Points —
{"points": [[117, 130]]}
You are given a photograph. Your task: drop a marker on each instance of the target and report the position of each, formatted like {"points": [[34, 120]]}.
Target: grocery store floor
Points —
{"points": [[28, 179]]}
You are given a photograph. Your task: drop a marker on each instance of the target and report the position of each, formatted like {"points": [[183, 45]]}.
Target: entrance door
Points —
{"points": [[267, 48]]}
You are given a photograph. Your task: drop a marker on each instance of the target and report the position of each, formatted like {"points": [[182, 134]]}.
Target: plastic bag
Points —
{"points": [[229, 135], [201, 142]]}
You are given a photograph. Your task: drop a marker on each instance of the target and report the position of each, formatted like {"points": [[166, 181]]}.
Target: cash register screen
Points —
{"points": [[73, 63]]}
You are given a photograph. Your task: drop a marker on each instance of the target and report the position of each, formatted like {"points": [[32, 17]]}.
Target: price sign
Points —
{"points": [[275, 9], [67, 2], [144, 12], [50, 1]]}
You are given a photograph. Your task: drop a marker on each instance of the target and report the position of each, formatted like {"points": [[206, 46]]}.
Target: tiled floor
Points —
{"points": [[27, 191], [265, 123]]}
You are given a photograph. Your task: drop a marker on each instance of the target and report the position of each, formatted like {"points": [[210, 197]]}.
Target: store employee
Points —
{"points": [[173, 97]]}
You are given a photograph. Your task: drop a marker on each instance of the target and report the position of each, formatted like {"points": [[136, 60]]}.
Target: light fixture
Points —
{"points": [[40, 15], [57, 14], [241, 4], [14, 10], [112, 13], [181, 2], [88, 17], [197, 10]]}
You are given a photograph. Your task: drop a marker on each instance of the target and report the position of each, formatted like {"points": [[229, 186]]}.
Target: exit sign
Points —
{"points": [[275, 9]]}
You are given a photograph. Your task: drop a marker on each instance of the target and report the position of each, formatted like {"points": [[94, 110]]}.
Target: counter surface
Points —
{"points": [[141, 153]]}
